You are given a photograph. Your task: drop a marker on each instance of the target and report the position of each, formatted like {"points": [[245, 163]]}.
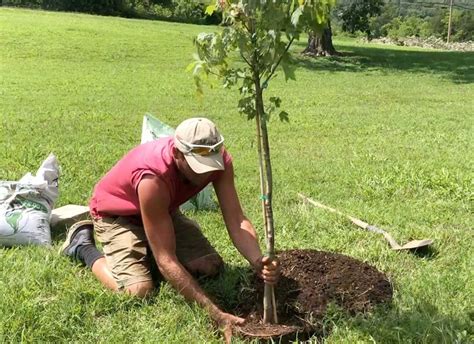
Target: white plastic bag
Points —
{"points": [[25, 206], [153, 129]]}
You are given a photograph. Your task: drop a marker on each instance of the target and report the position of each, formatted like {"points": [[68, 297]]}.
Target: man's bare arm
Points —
{"points": [[154, 203], [240, 229]]}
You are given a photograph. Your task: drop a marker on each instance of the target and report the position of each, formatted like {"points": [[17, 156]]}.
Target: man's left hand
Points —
{"points": [[268, 269]]}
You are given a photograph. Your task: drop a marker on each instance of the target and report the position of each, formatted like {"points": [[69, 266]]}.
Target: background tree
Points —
{"points": [[355, 16], [320, 42], [261, 33]]}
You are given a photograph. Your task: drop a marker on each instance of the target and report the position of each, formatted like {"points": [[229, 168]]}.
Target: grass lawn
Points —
{"points": [[384, 133]]}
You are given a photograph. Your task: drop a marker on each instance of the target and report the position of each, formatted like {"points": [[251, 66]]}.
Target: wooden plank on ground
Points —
{"points": [[65, 216]]}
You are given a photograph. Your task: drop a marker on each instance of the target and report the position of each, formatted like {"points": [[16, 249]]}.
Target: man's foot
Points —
{"points": [[79, 234]]}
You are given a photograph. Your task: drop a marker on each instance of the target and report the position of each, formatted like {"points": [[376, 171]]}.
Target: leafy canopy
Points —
{"points": [[356, 15], [253, 43]]}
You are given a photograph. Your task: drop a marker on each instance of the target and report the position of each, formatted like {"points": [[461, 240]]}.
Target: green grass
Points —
{"points": [[384, 133]]}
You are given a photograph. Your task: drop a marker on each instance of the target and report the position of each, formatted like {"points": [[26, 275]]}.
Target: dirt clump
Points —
{"points": [[310, 281]]}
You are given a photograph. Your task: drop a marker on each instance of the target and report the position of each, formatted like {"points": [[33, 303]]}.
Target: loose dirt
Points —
{"points": [[310, 281]]}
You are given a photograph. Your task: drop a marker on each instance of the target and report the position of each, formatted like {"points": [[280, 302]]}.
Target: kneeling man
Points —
{"points": [[136, 217]]}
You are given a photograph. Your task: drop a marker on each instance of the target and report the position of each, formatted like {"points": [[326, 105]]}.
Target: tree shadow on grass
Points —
{"points": [[457, 67], [223, 289]]}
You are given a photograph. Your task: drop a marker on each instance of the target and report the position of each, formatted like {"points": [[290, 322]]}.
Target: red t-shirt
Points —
{"points": [[116, 193]]}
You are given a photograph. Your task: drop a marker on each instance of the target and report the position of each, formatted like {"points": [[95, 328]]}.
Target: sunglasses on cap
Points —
{"points": [[203, 150]]}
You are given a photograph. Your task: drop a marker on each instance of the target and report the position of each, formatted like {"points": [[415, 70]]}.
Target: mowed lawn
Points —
{"points": [[383, 133]]}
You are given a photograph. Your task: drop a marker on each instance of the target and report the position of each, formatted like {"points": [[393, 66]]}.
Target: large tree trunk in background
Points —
{"points": [[321, 45]]}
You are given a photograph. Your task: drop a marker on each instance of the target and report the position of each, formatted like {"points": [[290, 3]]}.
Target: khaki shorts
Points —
{"points": [[128, 254]]}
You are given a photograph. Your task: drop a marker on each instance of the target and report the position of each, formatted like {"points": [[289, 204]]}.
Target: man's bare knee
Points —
{"points": [[140, 289]]}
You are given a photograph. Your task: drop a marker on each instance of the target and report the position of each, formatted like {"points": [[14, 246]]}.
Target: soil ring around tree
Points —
{"points": [[310, 281]]}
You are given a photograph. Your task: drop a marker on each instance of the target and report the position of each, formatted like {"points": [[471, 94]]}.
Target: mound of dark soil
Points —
{"points": [[310, 281]]}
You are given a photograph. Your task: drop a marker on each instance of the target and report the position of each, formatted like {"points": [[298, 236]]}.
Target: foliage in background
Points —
{"points": [[434, 26], [106, 7], [356, 15], [189, 11], [384, 132], [396, 23], [395, 20]]}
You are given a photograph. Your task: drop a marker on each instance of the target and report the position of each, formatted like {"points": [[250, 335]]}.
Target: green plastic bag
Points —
{"points": [[153, 129]]}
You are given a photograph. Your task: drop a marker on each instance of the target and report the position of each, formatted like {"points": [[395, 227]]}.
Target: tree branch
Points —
{"points": [[246, 26], [214, 73], [246, 61], [272, 71]]}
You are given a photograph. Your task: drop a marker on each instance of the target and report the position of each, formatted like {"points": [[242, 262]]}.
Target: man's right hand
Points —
{"points": [[226, 323], [267, 269]]}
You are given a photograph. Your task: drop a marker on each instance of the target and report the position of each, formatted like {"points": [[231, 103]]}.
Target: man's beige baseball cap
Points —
{"points": [[200, 142]]}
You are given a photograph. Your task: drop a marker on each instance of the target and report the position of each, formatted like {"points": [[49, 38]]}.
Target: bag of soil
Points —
{"points": [[153, 129], [25, 206]]}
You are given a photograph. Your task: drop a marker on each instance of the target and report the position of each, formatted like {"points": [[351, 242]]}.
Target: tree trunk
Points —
{"points": [[321, 45], [269, 304]]}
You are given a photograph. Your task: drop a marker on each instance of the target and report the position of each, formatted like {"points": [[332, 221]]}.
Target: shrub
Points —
{"points": [[192, 11], [189, 11], [377, 24], [108, 7], [462, 26], [424, 23]]}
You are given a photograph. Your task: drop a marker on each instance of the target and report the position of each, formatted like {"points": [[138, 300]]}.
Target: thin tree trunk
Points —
{"points": [[321, 45], [269, 306]]}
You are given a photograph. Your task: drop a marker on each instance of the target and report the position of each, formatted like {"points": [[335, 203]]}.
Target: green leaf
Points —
{"points": [[288, 68], [292, 6], [295, 17], [246, 106], [191, 66], [276, 101], [284, 116], [210, 9], [320, 17]]}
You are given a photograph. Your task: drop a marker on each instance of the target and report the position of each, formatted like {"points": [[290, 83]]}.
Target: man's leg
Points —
{"points": [[124, 266], [193, 249]]}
